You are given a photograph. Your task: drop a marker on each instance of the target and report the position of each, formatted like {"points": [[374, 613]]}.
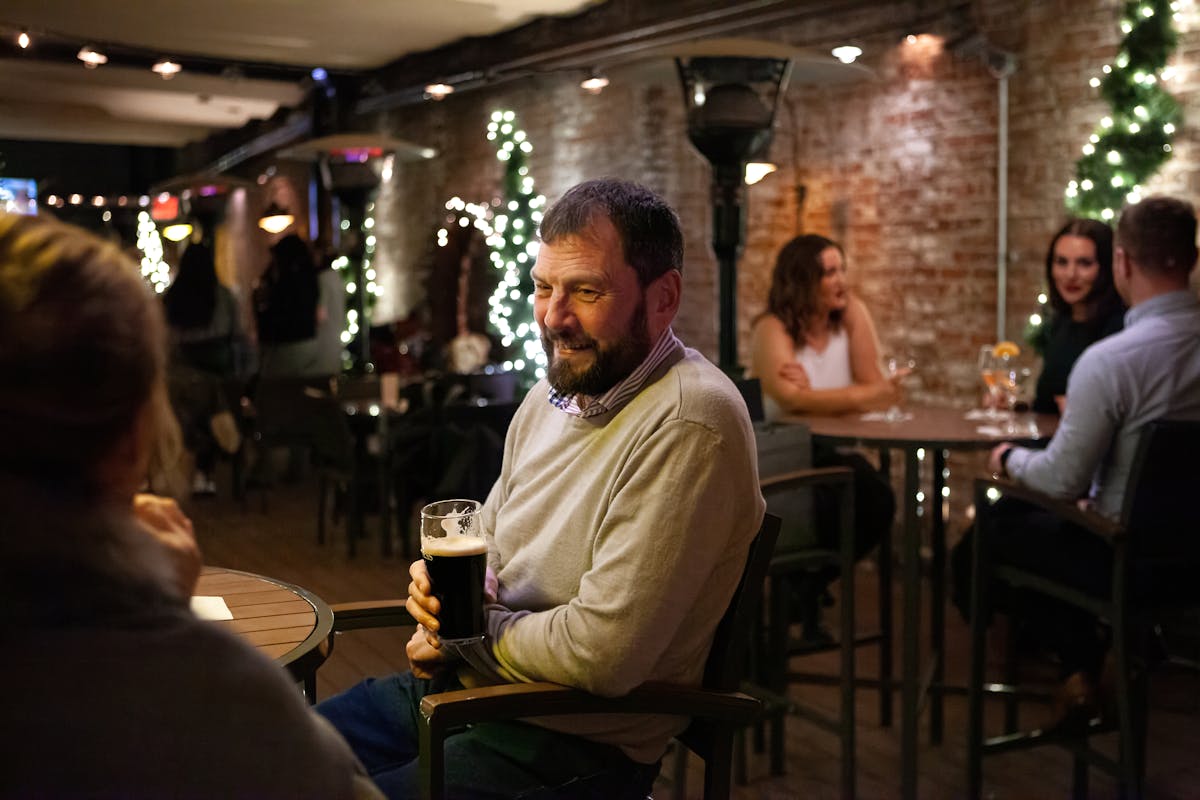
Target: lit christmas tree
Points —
{"points": [[360, 299], [514, 244], [510, 227], [1134, 140], [154, 270]]}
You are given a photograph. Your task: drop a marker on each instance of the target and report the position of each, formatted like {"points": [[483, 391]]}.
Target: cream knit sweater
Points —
{"points": [[618, 541]]}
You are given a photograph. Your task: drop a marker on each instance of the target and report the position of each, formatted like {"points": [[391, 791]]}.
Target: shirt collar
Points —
{"points": [[585, 406], [1160, 304]]}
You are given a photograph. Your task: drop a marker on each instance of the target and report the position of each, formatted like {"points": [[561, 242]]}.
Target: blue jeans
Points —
{"points": [[379, 719]]}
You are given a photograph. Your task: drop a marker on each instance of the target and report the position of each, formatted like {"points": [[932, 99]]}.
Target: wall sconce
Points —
{"points": [[439, 91], [275, 219], [757, 170]]}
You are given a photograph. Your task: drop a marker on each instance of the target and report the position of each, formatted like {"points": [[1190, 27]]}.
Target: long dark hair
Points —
{"points": [[796, 284], [192, 297], [1102, 301]]}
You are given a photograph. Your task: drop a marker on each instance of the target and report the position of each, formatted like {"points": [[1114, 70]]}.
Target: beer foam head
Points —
{"points": [[454, 545]]}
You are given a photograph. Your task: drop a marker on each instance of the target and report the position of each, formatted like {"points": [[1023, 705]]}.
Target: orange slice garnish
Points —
{"points": [[1006, 350]]}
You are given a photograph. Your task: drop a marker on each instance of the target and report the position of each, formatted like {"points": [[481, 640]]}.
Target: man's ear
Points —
{"points": [[664, 295]]}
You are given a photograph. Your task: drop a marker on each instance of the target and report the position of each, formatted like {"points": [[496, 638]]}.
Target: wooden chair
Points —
{"points": [[717, 709], [1156, 555], [784, 453]]}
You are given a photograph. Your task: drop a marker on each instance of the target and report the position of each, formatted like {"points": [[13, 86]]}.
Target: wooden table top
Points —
{"points": [[284, 621], [928, 427]]}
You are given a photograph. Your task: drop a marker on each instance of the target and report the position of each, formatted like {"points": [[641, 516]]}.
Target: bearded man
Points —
{"points": [[617, 530]]}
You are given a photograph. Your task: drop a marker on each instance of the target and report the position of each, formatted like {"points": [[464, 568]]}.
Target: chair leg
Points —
{"points": [[431, 760], [679, 772], [778, 623], [847, 631], [885, 629], [1128, 747], [1079, 779], [1011, 676], [322, 492], [981, 579], [718, 779]]}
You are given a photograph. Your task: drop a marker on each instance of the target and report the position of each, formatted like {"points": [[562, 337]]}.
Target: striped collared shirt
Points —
{"points": [[587, 406]]}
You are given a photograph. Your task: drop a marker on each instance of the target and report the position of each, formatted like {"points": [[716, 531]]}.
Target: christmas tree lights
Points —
{"points": [[509, 226], [362, 289], [154, 270], [514, 244], [1132, 142]]}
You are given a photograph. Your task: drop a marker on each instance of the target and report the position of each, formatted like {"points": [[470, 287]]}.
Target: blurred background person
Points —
{"points": [[285, 308], [815, 351], [1085, 306], [95, 579], [205, 332]]}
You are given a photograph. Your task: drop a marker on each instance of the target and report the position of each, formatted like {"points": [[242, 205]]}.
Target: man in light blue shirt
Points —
{"points": [[1149, 371]]}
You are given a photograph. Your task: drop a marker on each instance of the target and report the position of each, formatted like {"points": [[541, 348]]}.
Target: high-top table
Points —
{"points": [[935, 431], [284, 621]]}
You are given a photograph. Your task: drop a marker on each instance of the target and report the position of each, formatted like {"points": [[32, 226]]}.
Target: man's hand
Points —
{"points": [[161, 518], [994, 464], [425, 656], [421, 604]]}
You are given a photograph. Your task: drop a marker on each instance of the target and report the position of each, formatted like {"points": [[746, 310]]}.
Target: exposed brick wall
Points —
{"points": [[901, 169]]}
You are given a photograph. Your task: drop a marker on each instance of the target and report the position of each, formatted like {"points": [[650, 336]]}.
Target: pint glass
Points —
{"points": [[455, 554]]}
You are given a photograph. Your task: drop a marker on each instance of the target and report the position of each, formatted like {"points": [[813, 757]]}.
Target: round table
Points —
{"points": [[284, 621], [935, 431]]}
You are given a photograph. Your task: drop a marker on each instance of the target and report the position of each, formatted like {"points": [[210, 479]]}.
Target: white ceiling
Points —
{"points": [[120, 105]]}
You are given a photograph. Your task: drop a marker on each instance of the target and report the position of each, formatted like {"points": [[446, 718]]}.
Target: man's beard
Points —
{"points": [[610, 365]]}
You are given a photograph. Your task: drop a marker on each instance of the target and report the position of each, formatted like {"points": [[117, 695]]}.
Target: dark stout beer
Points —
{"points": [[456, 567]]}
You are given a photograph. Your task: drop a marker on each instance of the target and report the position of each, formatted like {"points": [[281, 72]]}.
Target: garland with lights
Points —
{"points": [[1132, 142]]}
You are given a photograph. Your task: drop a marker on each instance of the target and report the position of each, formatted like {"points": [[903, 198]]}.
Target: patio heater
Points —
{"points": [[730, 102], [731, 89], [350, 166]]}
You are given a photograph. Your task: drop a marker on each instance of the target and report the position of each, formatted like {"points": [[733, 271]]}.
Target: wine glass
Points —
{"points": [[1014, 382], [990, 366], [897, 367]]}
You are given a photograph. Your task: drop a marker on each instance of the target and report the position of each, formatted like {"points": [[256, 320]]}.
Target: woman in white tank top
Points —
{"points": [[815, 350]]}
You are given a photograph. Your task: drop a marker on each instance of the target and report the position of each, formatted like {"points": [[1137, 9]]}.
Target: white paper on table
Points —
{"points": [[210, 608], [875, 416], [990, 430], [983, 413]]}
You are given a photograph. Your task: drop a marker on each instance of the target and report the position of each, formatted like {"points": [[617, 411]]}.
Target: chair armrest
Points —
{"points": [[370, 614], [1067, 510], [809, 477], [520, 700]]}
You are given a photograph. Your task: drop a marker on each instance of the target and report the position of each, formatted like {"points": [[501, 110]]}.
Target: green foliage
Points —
{"points": [[1133, 142]]}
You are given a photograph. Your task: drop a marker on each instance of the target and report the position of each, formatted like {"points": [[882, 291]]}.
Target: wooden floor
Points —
{"points": [[281, 543]]}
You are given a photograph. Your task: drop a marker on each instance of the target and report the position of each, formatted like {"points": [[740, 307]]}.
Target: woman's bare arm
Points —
{"points": [[773, 354]]}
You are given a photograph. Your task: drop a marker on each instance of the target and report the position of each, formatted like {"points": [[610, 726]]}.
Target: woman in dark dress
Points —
{"points": [[1085, 305]]}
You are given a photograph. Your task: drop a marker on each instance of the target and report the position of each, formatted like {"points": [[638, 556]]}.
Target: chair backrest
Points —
{"points": [[1160, 502], [284, 409], [785, 448], [727, 657], [751, 389]]}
